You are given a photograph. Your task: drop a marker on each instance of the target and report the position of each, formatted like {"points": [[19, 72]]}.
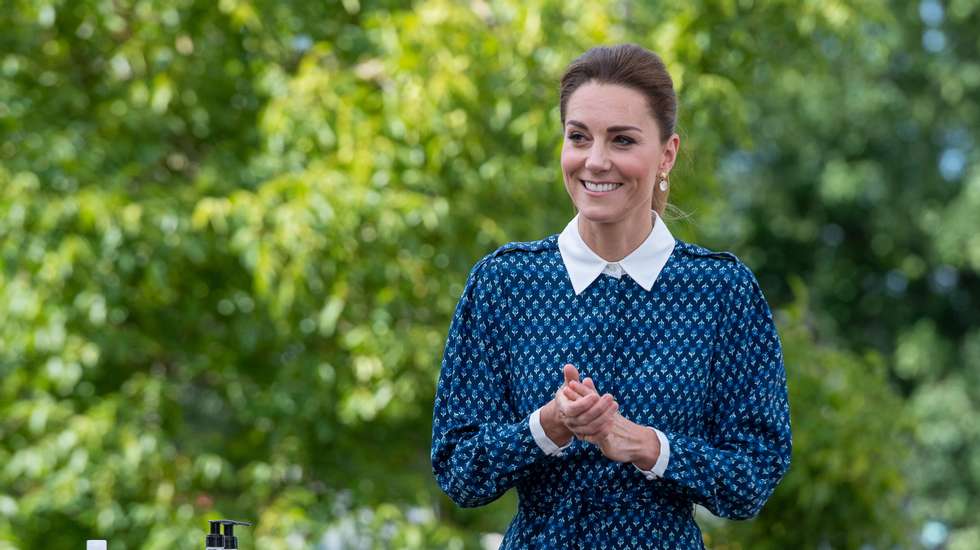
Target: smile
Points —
{"points": [[600, 187]]}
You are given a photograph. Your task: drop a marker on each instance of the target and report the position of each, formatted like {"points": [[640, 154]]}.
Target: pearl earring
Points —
{"points": [[663, 181]]}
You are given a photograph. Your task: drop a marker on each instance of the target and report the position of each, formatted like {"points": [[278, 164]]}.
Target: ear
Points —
{"points": [[671, 148]]}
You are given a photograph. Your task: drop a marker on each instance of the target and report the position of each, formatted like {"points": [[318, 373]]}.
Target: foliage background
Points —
{"points": [[232, 235]]}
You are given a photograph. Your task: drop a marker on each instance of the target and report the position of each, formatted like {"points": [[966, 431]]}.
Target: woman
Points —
{"points": [[684, 396]]}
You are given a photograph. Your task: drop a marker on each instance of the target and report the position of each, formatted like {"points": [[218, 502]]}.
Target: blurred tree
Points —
{"points": [[871, 193], [233, 234]]}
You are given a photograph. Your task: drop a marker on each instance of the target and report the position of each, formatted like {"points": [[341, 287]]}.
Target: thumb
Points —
{"points": [[570, 372]]}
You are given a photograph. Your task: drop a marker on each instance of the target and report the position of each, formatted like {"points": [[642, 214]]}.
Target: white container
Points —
{"points": [[95, 545]]}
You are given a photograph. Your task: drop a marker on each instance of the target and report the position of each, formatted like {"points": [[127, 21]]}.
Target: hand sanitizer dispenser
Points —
{"points": [[215, 540]]}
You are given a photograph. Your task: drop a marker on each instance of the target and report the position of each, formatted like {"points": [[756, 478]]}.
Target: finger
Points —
{"points": [[580, 388], [581, 405], [597, 410], [572, 408], [595, 416], [564, 400], [602, 426], [570, 373], [588, 382]]}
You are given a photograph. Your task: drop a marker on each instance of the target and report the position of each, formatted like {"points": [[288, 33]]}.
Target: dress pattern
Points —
{"points": [[697, 357]]}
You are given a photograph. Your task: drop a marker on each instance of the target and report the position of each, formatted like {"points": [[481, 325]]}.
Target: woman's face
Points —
{"points": [[612, 144]]}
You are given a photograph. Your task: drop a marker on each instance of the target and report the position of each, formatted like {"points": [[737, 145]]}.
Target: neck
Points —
{"points": [[613, 241]]}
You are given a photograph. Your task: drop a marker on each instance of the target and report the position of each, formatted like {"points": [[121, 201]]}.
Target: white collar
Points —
{"points": [[643, 264]]}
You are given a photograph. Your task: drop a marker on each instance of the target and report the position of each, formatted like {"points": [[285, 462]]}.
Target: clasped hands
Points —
{"points": [[578, 410]]}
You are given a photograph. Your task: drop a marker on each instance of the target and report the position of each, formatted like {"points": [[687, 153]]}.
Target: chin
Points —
{"points": [[600, 213]]}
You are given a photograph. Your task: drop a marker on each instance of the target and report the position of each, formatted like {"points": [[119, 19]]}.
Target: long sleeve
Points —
{"points": [[663, 460], [480, 447], [746, 450], [547, 446]]}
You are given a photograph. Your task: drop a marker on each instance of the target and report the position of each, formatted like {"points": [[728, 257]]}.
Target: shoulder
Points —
{"points": [[525, 249], [517, 255], [735, 283], [722, 266]]}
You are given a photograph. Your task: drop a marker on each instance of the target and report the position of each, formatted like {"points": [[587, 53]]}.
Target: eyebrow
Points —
{"points": [[609, 129]]}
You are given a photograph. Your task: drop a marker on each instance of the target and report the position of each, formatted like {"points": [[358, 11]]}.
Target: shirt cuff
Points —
{"points": [[537, 432], [661, 465]]}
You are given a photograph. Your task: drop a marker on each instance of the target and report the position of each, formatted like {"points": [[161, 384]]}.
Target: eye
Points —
{"points": [[624, 140], [576, 137]]}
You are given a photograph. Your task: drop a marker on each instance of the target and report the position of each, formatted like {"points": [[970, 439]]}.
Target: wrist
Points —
{"points": [[553, 428], [648, 452]]}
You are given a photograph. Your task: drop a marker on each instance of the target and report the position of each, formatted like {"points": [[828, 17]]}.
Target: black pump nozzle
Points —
{"points": [[231, 541], [216, 540]]}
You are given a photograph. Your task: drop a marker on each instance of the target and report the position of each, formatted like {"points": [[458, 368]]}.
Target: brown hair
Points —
{"points": [[634, 67]]}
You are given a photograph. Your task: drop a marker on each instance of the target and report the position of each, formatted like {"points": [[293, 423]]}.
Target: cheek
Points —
{"points": [[570, 160], [640, 166]]}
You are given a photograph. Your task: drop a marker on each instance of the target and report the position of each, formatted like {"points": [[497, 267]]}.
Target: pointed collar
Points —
{"points": [[643, 264]]}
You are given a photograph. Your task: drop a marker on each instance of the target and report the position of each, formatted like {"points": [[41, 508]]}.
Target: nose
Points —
{"points": [[598, 160]]}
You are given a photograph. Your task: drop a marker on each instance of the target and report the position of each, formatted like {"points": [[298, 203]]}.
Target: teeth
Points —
{"points": [[600, 187]]}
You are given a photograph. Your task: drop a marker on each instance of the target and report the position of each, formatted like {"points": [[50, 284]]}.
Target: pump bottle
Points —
{"points": [[215, 540]]}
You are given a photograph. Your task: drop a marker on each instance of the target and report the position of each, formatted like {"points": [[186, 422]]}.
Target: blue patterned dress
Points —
{"points": [[696, 357]]}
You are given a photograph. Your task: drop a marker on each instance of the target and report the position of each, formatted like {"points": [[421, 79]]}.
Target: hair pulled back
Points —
{"points": [[627, 65]]}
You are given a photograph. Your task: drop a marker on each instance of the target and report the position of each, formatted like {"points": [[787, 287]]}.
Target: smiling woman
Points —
{"points": [[618, 109], [683, 399]]}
